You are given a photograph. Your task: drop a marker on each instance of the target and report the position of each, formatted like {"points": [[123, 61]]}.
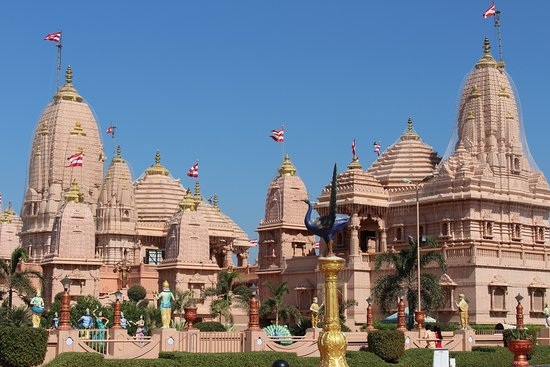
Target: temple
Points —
{"points": [[485, 203]]}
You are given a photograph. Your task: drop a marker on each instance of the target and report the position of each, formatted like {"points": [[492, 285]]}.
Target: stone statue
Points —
{"points": [[166, 297], [55, 320], [37, 306], [85, 322], [314, 308], [462, 311], [547, 314], [123, 321]]}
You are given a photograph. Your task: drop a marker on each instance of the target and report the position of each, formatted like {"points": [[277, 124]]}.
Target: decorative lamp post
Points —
{"points": [[116, 313], [401, 312], [254, 314], [65, 312], [519, 313], [418, 313], [370, 325]]}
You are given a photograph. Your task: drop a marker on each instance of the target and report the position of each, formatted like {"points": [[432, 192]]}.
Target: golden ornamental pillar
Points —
{"points": [[332, 341]]}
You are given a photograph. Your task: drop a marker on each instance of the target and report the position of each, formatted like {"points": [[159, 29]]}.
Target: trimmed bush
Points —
{"points": [[22, 346], [387, 344], [71, 359], [248, 359], [136, 293], [210, 326]]}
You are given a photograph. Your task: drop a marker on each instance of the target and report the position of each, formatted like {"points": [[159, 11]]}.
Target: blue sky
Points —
{"points": [[208, 80]]}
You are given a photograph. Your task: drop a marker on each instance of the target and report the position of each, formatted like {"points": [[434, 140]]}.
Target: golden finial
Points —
{"points": [[410, 134], [73, 194], [197, 197], [188, 202], [354, 164], [9, 210], [287, 168], [69, 75], [68, 92], [487, 59], [157, 168], [486, 46], [118, 155], [6, 216]]}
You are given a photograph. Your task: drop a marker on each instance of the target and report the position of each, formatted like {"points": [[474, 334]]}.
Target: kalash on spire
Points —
{"points": [[67, 126]]}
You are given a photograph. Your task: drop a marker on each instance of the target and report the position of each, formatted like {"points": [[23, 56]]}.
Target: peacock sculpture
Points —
{"points": [[328, 225]]}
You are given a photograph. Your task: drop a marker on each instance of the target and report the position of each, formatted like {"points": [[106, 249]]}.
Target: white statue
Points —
{"points": [[547, 314]]}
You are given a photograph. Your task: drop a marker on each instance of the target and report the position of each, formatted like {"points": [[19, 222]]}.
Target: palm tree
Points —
{"points": [[404, 263], [225, 293], [275, 305], [18, 280]]}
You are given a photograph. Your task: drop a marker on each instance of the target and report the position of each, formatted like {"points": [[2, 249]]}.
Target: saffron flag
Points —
{"points": [[54, 37], [278, 135], [377, 148], [490, 12], [353, 148], [193, 171], [76, 159]]}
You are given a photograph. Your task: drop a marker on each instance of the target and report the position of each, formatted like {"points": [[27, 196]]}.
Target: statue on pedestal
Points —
{"points": [[37, 306], [462, 311], [85, 322], [314, 308], [166, 297]]}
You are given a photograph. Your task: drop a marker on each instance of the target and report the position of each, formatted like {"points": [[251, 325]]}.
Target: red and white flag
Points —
{"points": [[317, 245], [353, 148], [194, 170], [76, 159], [278, 135], [54, 37], [377, 148], [111, 130], [490, 12], [254, 242]]}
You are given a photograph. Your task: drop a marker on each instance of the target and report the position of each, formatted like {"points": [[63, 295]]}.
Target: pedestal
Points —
{"points": [[544, 335], [332, 341], [169, 339]]}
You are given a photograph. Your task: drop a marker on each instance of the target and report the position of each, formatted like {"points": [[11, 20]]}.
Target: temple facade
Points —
{"points": [[486, 205], [107, 230]]}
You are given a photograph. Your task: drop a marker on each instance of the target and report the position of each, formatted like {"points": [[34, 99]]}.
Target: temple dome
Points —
{"points": [[157, 197], [284, 198], [116, 210], [408, 159]]}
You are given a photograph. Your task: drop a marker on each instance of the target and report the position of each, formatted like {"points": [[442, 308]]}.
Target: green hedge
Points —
{"points": [[71, 359], [487, 357], [22, 346], [210, 326], [387, 344]]}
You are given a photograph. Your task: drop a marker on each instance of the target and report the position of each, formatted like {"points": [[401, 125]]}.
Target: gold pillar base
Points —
{"points": [[332, 341]]}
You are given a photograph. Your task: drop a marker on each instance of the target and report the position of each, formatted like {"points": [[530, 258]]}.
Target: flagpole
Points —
{"points": [[497, 26], [59, 47]]}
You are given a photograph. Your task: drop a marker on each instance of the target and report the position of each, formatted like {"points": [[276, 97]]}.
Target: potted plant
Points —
{"points": [[519, 342], [185, 303]]}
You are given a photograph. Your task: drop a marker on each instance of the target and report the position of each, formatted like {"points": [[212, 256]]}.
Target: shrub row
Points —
{"points": [[22, 346], [487, 357]]}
